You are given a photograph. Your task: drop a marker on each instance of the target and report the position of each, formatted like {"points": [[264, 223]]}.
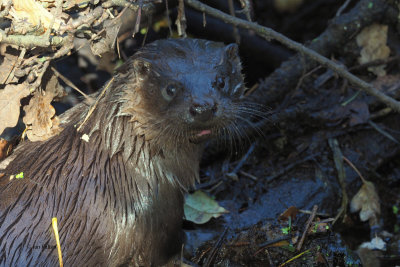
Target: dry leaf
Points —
{"points": [[3, 148], [34, 13], [367, 202], [39, 119], [51, 85], [373, 39], [10, 98], [107, 42], [9, 59], [290, 212]]}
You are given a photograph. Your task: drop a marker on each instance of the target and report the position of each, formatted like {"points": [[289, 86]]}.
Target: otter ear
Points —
{"points": [[142, 66], [232, 50]]}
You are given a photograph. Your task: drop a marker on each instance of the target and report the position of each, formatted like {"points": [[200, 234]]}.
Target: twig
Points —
{"points": [[87, 19], [254, 178], [30, 41], [343, 7], [310, 220], [235, 29], [168, 18], [217, 245], [131, 5], [246, 9], [95, 104], [94, 36], [181, 20], [244, 158], [271, 242], [383, 132], [355, 169], [70, 84], [10, 75], [318, 213], [269, 34], [289, 167], [56, 14], [381, 113], [305, 75], [38, 81], [337, 157], [214, 187]]}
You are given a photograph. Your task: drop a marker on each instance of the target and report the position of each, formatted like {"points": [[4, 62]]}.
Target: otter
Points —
{"points": [[115, 178]]}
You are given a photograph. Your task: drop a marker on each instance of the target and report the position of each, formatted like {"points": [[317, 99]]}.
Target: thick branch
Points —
{"points": [[269, 34], [30, 41], [131, 5]]}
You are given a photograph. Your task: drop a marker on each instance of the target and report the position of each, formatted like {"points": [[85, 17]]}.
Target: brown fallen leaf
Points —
{"points": [[34, 13], [107, 42], [367, 202], [289, 212], [51, 85], [39, 119], [5, 147], [10, 57], [10, 98], [372, 40]]}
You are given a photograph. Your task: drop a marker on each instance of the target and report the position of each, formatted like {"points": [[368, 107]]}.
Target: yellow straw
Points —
{"points": [[55, 229]]}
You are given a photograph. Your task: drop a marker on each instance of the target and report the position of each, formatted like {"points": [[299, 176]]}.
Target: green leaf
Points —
{"points": [[200, 208], [395, 209]]}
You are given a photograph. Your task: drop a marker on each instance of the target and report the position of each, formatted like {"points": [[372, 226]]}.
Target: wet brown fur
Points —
{"points": [[118, 196]]}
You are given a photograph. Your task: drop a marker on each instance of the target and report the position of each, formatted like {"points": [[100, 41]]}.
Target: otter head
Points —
{"points": [[185, 89]]}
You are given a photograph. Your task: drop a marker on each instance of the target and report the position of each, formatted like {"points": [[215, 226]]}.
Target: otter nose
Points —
{"points": [[203, 111]]}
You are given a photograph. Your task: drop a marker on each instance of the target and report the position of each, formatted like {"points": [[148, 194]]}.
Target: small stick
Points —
{"points": [[310, 220], [95, 104], [16, 64], [355, 169], [215, 248], [254, 178], [343, 7], [69, 83]]}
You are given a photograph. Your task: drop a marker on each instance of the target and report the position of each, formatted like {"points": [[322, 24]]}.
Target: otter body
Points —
{"points": [[115, 179]]}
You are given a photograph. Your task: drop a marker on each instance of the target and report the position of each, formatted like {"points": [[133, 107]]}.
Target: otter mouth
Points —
{"points": [[201, 136]]}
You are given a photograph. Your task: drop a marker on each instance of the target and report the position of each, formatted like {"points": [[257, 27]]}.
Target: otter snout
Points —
{"points": [[203, 111]]}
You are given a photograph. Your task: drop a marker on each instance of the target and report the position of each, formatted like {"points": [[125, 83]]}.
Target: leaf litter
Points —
{"points": [[40, 118], [10, 104]]}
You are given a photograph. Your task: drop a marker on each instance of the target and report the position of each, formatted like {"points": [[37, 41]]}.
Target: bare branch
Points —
{"points": [[269, 34], [30, 41]]}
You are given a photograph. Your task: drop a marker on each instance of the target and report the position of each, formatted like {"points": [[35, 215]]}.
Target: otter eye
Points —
{"points": [[169, 92], [220, 82]]}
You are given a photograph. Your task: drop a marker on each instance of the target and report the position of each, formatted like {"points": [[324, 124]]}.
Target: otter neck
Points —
{"points": [[150, 161]]}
